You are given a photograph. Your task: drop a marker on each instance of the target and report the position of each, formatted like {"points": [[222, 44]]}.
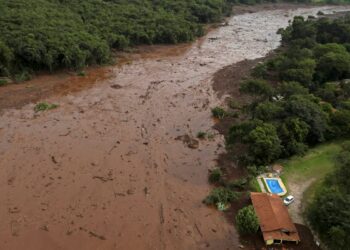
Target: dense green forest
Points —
{"points": [[300, 97], [53, 34]]}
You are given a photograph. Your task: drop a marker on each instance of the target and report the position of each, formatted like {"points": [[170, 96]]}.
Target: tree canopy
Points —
{"points": [[52, 34], [300, 97], [247, 221]]}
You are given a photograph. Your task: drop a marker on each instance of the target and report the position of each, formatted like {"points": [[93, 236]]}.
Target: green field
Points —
{"points": [[316, 164]]}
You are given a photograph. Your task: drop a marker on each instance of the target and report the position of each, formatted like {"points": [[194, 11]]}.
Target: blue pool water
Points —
{"points": [[274, 186]]}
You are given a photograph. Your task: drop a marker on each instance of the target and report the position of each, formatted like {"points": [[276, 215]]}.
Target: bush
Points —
{"points": [[81, 73], [220, 195], [43, 106], [215, 175], [23, 76], [237, 184], [234, 104], [218, 112], [3, 82], [201, 135], [246, 220]]}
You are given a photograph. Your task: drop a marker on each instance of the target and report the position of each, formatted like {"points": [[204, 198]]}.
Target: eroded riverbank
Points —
{"points": [[105, 171]]}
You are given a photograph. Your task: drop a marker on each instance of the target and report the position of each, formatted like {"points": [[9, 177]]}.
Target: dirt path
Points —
{"points": [[105, 171], [296, 209]]}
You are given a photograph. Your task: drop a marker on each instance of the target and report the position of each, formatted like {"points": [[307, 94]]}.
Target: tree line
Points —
{"points": [[53, 34]]}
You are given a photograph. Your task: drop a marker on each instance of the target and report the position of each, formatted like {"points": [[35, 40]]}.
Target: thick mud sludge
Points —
{"points": [[117, 166]]}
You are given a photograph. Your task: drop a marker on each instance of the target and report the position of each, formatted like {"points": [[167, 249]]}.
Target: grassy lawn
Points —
{"points": [[316, 164], [254, 185]]}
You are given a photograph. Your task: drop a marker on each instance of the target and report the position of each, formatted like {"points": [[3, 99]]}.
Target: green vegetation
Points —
{"points": [[54, 34], [221, 195], [81, 73], [43, 106], [316, 164], [219, 112], [3, 82], [328, 212], [300, 99], [246, 220], [201, 135], [309, 101], [254, 185], [215, 175]]}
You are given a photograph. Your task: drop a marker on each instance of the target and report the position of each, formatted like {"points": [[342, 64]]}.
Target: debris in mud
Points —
{"points": [[161, 214], [157, 82], [44, 228], [104, 178], [199, 231], [116, 86], [53, 159], [65, 134], [130, 191], [14, 228], [211, 39], [10, 181], [224, 24], [189, 141], [14, 210], [92, 234], [118, 194]]}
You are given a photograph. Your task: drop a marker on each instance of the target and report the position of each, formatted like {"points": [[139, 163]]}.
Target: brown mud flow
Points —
{"points": [[117, 165]]}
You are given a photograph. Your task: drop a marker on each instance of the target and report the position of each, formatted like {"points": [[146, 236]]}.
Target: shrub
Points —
{"points": [[220, 195], [210, 136], [201, 135], [218, 112], [3, 82], [81, 73], [234, 104], [215, 175], [23, 76], [43, 106], [239, 183], [246, 220]]}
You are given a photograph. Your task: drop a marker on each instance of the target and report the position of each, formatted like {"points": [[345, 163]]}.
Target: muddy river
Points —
{"points": [[110, 169]]}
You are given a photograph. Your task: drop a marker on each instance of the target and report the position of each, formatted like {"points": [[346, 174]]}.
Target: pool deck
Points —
{"points": [[262, 179], [261, 184]]}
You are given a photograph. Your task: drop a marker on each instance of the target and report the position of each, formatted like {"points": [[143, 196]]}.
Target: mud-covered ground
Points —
{"points": [[117, 165]]}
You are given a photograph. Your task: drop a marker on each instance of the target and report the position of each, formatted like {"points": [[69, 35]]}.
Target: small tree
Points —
{"points": [[215, 175], [246, 220], [221, 195]]}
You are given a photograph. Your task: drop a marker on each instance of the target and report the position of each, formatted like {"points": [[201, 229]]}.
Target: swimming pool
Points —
{"points": [[274, 186]]}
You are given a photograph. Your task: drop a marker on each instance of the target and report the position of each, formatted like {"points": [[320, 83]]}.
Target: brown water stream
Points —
{"points": [[105, 170]]}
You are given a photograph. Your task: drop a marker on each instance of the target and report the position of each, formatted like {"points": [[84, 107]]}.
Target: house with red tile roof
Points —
{"points": [[275, 223]]}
